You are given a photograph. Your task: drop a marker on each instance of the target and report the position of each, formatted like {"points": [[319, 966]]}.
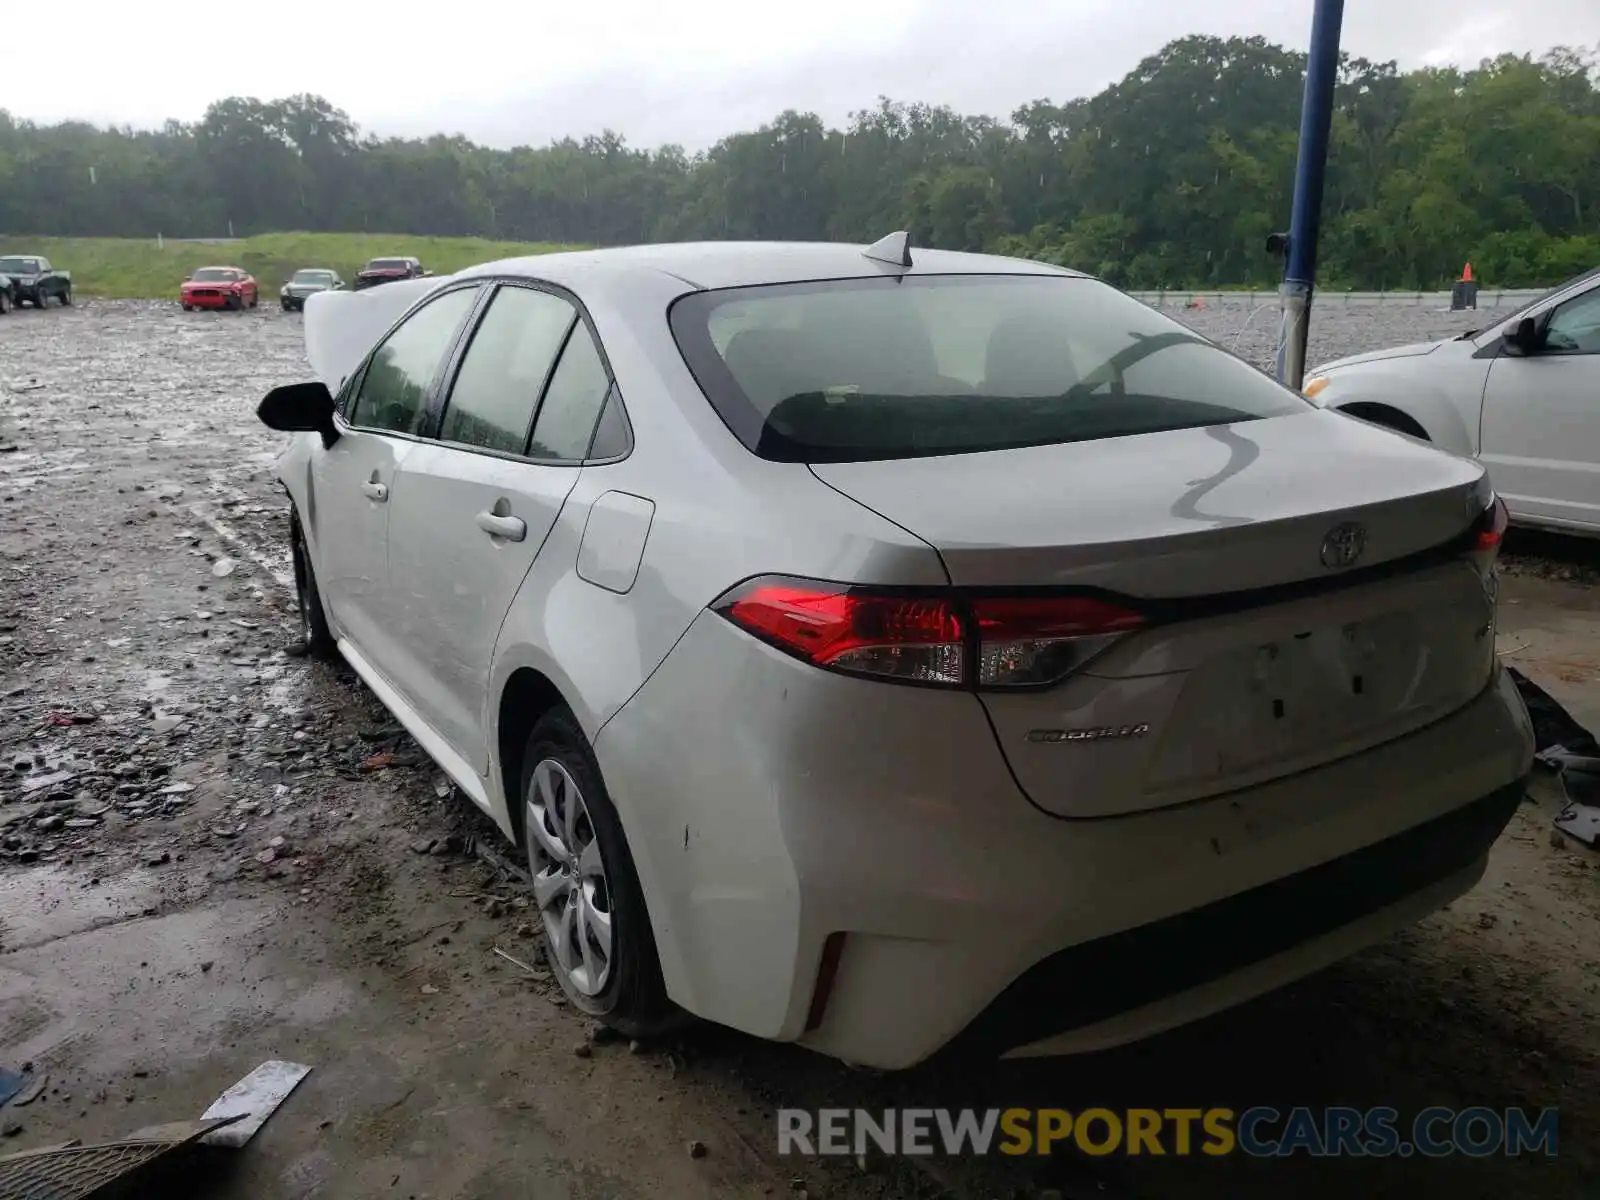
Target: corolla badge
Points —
{"points": [[1344, 544], [1096, 734]]}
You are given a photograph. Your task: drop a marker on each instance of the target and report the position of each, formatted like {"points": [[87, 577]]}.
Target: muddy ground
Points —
{"points": [[213, 854]]}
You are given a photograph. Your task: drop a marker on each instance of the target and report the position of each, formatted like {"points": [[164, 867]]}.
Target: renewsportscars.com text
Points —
{"points": [[1259, 1132]]}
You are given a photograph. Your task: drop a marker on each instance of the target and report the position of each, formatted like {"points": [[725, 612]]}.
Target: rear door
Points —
{"points": [[476, 502], [1541, 419], [353, 482]]}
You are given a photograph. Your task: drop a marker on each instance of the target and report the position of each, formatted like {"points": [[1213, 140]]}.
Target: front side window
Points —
{"points": [[504, 369], [393, 393], [571, 407], [882, 368], [1574, 327]]}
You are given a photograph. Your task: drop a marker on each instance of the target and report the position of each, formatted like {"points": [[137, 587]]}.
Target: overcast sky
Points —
{"points": [[509, 72]]}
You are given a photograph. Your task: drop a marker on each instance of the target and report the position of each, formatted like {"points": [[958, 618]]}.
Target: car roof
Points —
{"points": [[705, 265], [220, 267]]}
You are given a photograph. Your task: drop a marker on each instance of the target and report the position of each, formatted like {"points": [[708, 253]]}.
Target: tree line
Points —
{"points": [[1172, 176]]}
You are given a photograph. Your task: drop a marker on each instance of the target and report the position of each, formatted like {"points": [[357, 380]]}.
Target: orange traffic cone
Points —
{"points": [[1466, 273]]}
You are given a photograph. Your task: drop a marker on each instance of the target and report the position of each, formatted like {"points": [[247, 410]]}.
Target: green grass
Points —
{"points": [[137, 269]]}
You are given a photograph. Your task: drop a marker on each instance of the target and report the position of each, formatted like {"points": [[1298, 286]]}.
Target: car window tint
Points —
{"points": [[612, 436], [394, 391], [1575, 327], [505, 367], [572, 403]]}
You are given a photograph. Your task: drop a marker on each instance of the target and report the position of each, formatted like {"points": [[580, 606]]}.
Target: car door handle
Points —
{"points": [[373, 490], [513, 529]]}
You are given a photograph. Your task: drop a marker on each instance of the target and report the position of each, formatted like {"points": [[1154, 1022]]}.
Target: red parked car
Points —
{"points": [[219, 287]]}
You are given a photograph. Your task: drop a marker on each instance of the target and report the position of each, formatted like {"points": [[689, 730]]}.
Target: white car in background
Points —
{"points": [[877, 650], [1522, 395]]}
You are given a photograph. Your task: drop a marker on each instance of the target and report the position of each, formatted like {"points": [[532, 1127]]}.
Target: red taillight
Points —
{"points": [[933, 637], [1492, 527], [1036, 640], [873, 633]]}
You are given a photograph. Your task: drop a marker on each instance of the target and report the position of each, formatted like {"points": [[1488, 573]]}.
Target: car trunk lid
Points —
{"points": [[1259, 658]]}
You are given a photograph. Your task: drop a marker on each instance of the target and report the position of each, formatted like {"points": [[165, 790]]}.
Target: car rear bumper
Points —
{"points": [[770, 805]]}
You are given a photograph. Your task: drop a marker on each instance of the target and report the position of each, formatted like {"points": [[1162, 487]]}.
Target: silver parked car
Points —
{"points": [[874, 648]]}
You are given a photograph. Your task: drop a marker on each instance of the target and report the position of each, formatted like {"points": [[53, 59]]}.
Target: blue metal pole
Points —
{"points": [[1316, 118]]}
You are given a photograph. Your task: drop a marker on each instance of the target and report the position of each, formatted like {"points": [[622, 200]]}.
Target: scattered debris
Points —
{"points": [[534, 973], [697, 1149], [1581, 821], [72, 1170], [31, 1093], [11, 1082], [35, 783], [248, 1103]]}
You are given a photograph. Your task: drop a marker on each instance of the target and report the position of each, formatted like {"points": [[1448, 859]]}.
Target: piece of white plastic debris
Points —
{"points": [[254, 1098]]}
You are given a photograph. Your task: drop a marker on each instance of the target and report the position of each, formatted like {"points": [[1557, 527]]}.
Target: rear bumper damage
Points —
{"points": [[832, 806]]}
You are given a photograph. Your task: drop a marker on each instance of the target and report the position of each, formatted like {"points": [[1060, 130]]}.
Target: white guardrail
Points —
{"points": [[1487, 299]]}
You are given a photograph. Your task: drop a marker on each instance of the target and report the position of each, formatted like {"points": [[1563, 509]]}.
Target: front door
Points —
{"points": [[354, 481], [1541, 419], [474, 506]]}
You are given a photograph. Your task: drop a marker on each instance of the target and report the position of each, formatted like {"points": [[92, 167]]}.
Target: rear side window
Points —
{"points": [[394, 390], [571, 407], [856, 370], [505, 368]]}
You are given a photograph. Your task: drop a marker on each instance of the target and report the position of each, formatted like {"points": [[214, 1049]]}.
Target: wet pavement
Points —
{"points": [[213, 854]]}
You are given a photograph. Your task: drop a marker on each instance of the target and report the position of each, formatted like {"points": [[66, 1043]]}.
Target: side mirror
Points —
{"points": [[1523, 337], [300, 408]]}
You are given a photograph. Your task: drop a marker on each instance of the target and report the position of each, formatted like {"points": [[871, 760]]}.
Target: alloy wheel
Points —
{"points": [[570, 885]]}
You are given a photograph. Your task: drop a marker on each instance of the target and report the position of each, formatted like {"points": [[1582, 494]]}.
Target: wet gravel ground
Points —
{"points": [[162, 758]]}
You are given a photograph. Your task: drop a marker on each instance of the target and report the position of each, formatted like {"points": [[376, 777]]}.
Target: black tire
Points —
{"points": [[234, 303], [285, 305], [315, 635], [633, 999], [5, 302], [66, 298], [38, 301]]}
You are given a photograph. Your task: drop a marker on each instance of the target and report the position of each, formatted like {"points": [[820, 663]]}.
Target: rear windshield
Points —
{"points": [[863, 369], [389, 264]]}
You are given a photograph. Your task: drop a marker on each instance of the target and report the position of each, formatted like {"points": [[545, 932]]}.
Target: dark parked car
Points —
{"points": [[387, 270], [34, 281], [308, 281]]}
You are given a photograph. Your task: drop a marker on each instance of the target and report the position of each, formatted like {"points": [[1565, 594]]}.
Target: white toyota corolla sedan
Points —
{"points": [[886, 649]]}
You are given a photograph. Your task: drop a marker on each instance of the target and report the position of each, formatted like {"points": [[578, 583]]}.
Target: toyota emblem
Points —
{"points": [[1344, 544]]}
